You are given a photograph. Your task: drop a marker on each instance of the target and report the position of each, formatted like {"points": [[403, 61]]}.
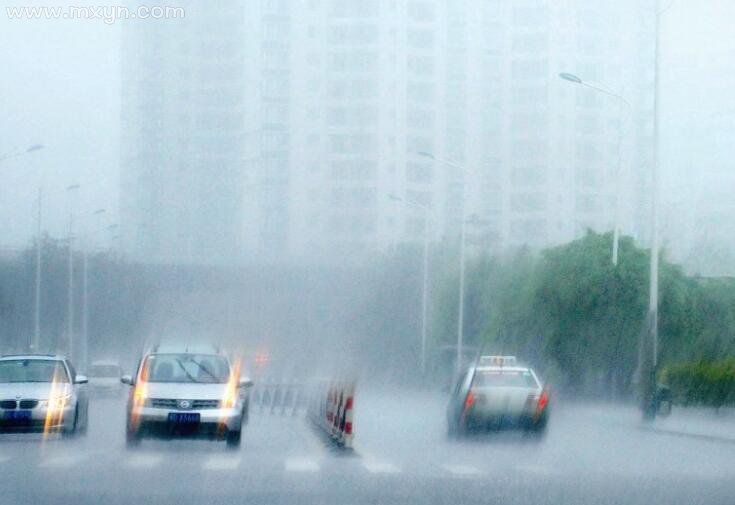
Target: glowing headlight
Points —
{"points": [[59, 402], [141, 394], [230, 399]]}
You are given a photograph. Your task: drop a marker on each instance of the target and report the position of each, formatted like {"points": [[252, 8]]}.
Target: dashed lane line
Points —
{"points": [[462, 470], [217, 463], [143, 460], [60, 461], [301, 465], [380, 467]]}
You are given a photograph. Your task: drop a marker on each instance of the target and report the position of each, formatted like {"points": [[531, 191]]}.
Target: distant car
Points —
{"points": [[104, 378], [42, 393], [185, 391], [498, 393]]}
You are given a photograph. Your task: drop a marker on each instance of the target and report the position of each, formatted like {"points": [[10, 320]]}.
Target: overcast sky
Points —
{"points": [[60, 87]]}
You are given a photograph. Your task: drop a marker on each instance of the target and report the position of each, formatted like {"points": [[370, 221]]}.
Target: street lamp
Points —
{"points": [[70, 274], [37, 295], [462, 243], [426, 208], [85, 294], [573, 78]]}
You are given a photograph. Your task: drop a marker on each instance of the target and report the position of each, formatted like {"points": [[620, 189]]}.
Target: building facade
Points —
{"points": [[293, 129]]}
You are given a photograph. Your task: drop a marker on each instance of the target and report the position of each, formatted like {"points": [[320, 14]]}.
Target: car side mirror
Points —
{"points": [[245, 382], [127, 379], [81, 379]]}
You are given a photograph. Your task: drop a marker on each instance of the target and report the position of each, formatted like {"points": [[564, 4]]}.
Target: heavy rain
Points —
{"points": [[367, 252]]}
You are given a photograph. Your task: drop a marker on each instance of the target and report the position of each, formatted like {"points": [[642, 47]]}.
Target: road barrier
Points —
{"points": [[330, 407], [279, 398]]}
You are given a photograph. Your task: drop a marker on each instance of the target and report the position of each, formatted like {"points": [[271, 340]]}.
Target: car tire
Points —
{"points": [[538, 430], [246, 413], [233, 439], [455, 430], [132, 438], [72, 431]]}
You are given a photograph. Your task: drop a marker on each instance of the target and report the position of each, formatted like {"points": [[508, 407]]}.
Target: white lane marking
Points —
{"points": [[143, 460], [61, 461], [301, 465], [537, 470], [462, 470], [380, 467], [222, 463]]}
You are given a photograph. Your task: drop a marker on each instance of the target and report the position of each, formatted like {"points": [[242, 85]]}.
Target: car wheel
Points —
{"points": [[538, 430], [233, 439], [246, 413], [132, 439], [70, 432]]}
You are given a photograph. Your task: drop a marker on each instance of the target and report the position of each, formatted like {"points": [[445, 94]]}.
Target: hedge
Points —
{"points": [[707, 383]]}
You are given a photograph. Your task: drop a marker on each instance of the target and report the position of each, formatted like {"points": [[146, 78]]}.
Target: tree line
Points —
{"points": [[578, 317]]}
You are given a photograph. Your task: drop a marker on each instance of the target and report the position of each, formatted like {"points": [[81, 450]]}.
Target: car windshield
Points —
{"points": [[196, 368], [504, 378], [102, 371], [32, 370]]}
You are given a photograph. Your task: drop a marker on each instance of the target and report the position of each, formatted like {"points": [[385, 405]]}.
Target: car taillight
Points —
{"points": [[543, 400], [469, 401]]}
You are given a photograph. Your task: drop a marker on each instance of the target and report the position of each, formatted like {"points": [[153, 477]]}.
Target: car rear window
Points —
{"points": [[504, 378]]}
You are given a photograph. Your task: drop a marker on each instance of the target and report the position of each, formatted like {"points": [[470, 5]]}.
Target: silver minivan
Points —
{"points": [[186, 392]]}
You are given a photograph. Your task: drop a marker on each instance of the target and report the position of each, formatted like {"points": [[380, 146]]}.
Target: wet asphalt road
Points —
{"points": [[592, 454]]}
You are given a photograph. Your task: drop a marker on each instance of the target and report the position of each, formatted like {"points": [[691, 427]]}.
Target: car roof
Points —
{"points": [[184, 349], [44, 357], [502, 369]]}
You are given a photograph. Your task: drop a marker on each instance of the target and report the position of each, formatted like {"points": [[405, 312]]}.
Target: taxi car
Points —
{"points": [[497, 392]]}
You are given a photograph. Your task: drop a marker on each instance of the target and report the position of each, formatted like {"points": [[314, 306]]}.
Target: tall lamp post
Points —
{"points": [[462, 243], [426, 208], [648, 356], [82, 361], [37, 294], [573, 78], [70, 275]]}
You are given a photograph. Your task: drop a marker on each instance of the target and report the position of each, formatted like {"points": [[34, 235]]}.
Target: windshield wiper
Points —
{"points": [[202, 367], [190, 376]]}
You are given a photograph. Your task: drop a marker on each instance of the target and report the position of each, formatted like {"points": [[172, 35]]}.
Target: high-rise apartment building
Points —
{"points": [[286, 129]]}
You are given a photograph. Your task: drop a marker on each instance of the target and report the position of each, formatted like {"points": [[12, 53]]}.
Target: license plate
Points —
{"points": [[18, 415], [183, 417]]}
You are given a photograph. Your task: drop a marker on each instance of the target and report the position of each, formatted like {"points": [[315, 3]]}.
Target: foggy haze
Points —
{"points": [[62, 89], [386, 251]]}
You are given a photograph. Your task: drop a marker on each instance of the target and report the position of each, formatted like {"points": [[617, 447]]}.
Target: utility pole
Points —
{"points": [[460, 315], [649, 338], [36, 342], [82, 361], [70, 290], [426, 209], [425, 293], [70, 273]]}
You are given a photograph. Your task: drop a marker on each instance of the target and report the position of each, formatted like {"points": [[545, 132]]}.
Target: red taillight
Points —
{"points": [[348, 403], [348, 428], [469, 401], [543, 400]]}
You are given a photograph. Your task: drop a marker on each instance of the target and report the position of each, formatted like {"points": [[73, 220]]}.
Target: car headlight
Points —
{"points": [[230, 399], [59, 401]]}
